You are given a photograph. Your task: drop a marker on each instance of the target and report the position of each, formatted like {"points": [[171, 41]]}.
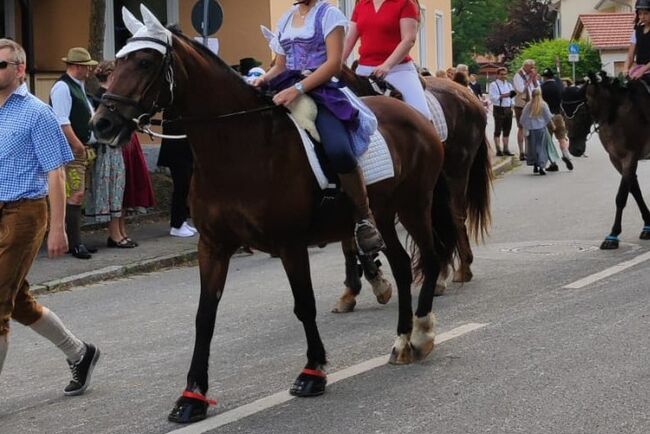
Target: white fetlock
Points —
{"points": [[423, 335], [381, 287], [402, 353]]}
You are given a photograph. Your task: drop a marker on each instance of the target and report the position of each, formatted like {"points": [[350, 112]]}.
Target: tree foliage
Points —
{"points": [[527, 21], [547, 53], [472, 21]]}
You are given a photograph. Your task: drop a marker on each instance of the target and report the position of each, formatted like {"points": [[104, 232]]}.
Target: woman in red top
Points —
{"points": [[387, 30]]}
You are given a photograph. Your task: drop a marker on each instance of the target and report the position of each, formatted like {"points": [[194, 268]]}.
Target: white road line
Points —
{"points": [[608, 272], [282, 397]]}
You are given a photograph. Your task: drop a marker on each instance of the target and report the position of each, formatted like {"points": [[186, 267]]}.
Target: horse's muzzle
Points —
{"points": [[110, 128]]}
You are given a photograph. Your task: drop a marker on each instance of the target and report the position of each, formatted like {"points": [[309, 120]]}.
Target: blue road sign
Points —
{"points": [[574, 48]]}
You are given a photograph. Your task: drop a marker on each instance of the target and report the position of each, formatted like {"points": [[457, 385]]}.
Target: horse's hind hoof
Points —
{"points": [[345, 303], [610, 243], [310, 382], [188, 410], [463, 275], [645, 233]]}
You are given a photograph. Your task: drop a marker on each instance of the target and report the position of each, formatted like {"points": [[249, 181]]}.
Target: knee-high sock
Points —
{"points": [[51, 328], [73, 224], [4, 346], [565, 153]]}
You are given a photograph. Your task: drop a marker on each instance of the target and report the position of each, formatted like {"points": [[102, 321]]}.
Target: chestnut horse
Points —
{"points": [[621, 113], [467, 168], [253, 185]]}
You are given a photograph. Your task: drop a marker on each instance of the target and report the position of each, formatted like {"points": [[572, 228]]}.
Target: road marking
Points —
{"points": [[282, 397], [608, 272]]}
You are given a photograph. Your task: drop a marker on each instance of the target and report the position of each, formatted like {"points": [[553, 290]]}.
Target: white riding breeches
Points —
{"points": [[404, 77]]}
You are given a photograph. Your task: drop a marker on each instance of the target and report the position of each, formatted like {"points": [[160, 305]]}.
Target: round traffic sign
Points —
{"points": [[215, 17]]}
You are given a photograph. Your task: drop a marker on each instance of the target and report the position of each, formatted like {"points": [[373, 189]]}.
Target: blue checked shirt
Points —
{"points": [[31, 144]]}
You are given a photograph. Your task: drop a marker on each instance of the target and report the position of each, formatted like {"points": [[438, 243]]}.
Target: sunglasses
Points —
{"points": [[5, 63]]}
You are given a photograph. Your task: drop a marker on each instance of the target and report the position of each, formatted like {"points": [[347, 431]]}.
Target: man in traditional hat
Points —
{"points": [[73, 109], [34, 153], [552, 89]]}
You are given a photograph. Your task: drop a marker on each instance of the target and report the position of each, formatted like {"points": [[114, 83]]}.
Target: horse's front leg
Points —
{"points": [[347, 300], [645, 213], [312, 379], [193, 404], [628, 174]]}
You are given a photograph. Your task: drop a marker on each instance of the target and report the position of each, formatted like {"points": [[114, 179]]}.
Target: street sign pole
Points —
{"points": [[206, 17], [573, 67]]}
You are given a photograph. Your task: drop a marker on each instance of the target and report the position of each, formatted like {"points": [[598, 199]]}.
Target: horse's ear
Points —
{"points": [[130, 21], [150, 19]]}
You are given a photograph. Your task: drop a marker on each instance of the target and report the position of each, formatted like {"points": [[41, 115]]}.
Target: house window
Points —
{"points": [[422, 36], [440, 41], [116, 32]]}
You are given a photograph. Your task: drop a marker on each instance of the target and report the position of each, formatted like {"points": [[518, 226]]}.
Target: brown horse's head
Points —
{"points": [[142, 82], [577, 117]]}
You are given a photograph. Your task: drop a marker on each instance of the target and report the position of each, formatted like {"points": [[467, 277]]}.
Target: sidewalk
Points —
{"points": [[156, 250]]}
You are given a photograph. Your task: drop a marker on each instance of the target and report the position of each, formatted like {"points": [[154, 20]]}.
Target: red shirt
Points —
{"points": [[379, 31]]}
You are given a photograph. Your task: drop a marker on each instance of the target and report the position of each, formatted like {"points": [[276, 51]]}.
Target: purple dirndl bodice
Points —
{"points": [[306, 53]]}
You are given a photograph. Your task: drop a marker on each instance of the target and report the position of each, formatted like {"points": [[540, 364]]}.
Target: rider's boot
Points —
{"points": [[368, 239]]}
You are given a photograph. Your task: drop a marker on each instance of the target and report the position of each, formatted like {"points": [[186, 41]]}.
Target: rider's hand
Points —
{"points": [[286, 97], [381, 71]]}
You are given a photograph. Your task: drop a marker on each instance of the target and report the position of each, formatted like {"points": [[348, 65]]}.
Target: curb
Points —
{"points": [[505, 165], [115, 271]]}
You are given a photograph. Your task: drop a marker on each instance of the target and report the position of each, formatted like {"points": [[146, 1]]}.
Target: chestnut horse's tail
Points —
{"points": [[479, 185]]}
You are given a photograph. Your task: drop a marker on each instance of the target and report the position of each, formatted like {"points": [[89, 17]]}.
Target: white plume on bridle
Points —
{"points": [[149, 28]]}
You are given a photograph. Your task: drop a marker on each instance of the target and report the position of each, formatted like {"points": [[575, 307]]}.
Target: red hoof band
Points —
{"points": [[198, 396], [310, 382], [314, 372]]}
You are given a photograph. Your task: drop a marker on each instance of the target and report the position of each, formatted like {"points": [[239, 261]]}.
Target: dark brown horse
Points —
{"points": [[620, 111], [234, 132], [467, 169]]}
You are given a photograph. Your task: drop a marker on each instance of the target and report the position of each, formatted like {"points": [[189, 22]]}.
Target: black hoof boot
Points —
{"points": [[645, 233], [610, 243], [310, 382], [190, 407]]}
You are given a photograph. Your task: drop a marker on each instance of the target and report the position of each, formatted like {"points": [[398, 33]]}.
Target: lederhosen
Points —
{"points": [[502, 117]]}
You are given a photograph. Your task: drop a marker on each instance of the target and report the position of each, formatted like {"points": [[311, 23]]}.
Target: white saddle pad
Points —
{"points": [[376, 163], [439, 120]]}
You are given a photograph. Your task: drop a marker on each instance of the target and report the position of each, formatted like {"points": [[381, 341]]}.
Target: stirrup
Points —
{"points": [[370, 244]]}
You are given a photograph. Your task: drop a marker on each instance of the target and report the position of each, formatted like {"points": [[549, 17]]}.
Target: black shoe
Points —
{"points": [[508, 153], [522, 157], [80, 251], [567, 161], [81, 371], [91, 249], [541, 171], [552, 168], [499, 153], [535, 168]]}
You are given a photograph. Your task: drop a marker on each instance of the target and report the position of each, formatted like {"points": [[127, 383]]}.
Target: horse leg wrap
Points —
{"points": [[310, 382]]}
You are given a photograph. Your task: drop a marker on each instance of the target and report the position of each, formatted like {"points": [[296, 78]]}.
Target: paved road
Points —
{"points": [[543, 358]]}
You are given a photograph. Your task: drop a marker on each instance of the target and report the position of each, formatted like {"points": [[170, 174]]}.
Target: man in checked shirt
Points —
{"points": [[33, 152]]}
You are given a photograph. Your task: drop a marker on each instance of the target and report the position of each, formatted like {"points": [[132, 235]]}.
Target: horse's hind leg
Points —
{"points": [[400, 264], [312, 379], [347, 300], [645, 213], [422, 337], [192, 406]]}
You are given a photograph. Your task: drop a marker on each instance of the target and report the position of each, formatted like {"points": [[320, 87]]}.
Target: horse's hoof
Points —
{"points": [[423, 351], [382, 288], [188, 410], [645, 233], [310, 382], [345, 303], [423, 336], [610, 243], [440, 288], [402, 352], [463, 275]]}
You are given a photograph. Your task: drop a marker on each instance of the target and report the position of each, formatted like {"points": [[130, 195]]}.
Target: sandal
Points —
{"points": [[124, 243]]}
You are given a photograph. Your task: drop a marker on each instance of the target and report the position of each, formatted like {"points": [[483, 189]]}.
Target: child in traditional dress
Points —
{"points": [[535, 118]]}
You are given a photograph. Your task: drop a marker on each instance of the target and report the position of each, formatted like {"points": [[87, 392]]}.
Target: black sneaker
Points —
{"points": [[499, 153], [81, 371], [552, 168], [567, 161]]}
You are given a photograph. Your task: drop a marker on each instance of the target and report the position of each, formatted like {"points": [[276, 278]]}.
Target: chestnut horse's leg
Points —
{"points": [[312, 379], [627, 168], [458, 189], [352, 282], [645, 213], [193, 405]]}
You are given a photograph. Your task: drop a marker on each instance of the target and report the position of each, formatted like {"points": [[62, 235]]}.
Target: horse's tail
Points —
{"points": [[445, 231], [479, 186]]}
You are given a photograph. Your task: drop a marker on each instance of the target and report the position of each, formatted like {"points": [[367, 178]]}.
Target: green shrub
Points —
{"points": [[545, 54]]}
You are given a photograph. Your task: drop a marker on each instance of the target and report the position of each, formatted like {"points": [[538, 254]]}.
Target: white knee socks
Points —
{"points": [[51, 328], [4, 346]]}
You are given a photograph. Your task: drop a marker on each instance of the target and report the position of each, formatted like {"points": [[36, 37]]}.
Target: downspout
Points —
{"points": [[28, 33]]}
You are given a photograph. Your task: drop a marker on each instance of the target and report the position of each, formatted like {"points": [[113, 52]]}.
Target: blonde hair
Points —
{"points": [[536, 103], [17, 51]]}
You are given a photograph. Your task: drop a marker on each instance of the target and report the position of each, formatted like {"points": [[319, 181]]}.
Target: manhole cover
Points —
{"points": [[551, 248]]}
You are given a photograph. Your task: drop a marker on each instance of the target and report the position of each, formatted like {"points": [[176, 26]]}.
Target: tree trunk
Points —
{"points": [[96, 37]]}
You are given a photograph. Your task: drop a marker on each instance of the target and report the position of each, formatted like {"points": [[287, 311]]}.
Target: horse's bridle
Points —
{"points": [[580, 102]]}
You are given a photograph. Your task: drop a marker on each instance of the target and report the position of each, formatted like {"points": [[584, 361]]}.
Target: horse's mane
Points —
{"points": [[219, 63]]}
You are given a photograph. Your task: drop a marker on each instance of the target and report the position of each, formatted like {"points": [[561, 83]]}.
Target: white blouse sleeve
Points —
{"points": [[332, 19], [633, 38]]}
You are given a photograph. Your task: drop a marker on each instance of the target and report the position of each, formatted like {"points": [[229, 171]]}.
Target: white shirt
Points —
{"points": [[519, 84], [62, 103], [497, 87]]}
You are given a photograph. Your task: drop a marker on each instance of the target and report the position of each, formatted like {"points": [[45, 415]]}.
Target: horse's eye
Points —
{"points": [[144, 63]]}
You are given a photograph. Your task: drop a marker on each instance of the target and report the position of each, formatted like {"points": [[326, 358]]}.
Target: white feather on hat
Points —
{"points": [[151, 28]]}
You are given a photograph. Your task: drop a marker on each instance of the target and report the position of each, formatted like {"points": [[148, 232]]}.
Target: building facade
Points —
{"points": [[48, 28]]}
